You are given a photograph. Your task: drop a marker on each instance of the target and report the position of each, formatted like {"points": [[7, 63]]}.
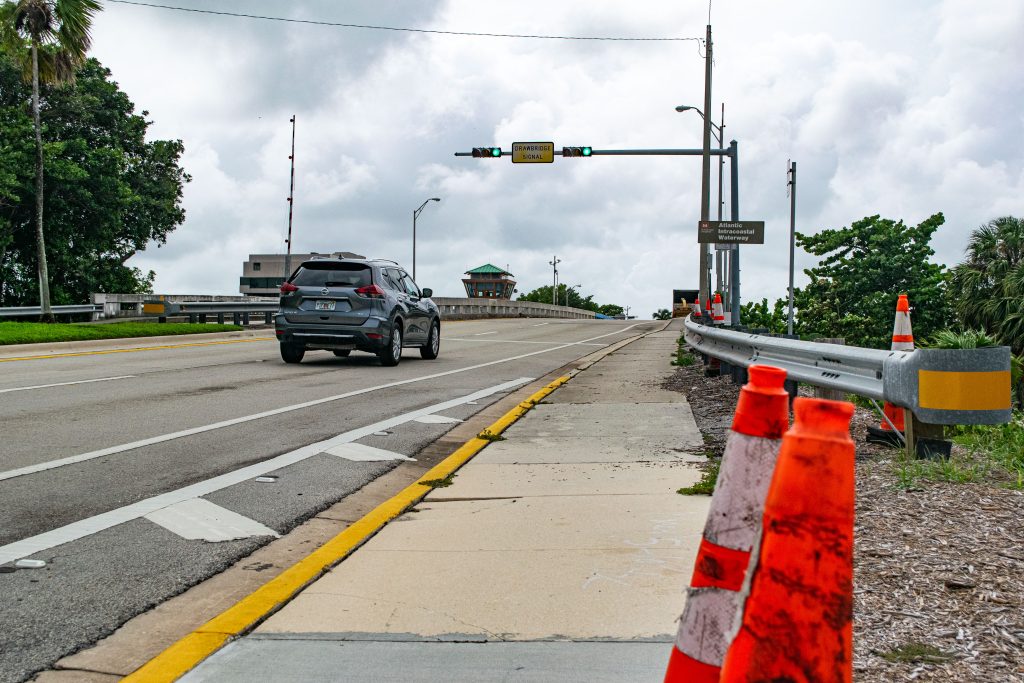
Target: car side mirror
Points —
{"points": [[427, 292]]}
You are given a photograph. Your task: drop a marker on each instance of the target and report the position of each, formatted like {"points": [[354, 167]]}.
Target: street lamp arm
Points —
{"points": [[714, 126], [432, 199]]}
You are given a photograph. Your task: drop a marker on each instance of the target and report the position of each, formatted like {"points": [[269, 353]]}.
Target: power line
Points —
{"points": [[396, 28]]}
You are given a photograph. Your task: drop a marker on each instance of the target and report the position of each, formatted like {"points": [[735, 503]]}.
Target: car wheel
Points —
{"points": [[392, 353], [292, 353], [433, 345], [342, 353]]}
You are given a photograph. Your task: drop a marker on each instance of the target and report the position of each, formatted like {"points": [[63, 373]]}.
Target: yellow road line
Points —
{"points": [[246, 614], [134, 348]]}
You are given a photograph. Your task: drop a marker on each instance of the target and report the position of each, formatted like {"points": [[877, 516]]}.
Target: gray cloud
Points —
{"points": [[901, 110]]}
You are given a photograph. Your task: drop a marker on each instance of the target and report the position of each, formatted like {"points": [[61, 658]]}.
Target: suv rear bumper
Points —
{"points": [[371, 336]]}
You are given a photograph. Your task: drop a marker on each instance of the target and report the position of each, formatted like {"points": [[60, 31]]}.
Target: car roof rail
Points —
{"points": [[386, 260]]}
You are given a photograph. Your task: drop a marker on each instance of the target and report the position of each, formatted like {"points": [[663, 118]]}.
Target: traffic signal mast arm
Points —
{"points": [[495, 152]]}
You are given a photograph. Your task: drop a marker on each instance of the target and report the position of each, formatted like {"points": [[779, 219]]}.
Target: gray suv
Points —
{"points": [[342, 305]]}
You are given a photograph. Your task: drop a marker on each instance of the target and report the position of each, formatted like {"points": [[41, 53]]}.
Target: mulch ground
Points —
{"points": [[938, 566]]}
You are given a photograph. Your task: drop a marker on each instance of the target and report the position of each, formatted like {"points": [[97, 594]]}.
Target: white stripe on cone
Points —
{"points": [[706, 627], [902, 328], [738, 501]]}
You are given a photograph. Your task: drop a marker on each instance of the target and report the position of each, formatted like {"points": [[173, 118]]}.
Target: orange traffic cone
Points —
{"points": [[797, 623], [734, 521], [718, 314], [902, 340], [696, 308]]}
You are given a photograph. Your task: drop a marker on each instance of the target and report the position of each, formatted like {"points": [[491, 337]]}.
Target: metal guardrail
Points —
{"points": [[940, 386], [197, 311], [35, 311]]}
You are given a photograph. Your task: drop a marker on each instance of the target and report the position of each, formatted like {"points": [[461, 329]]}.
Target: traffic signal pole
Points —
{"points": [[733, 153]]}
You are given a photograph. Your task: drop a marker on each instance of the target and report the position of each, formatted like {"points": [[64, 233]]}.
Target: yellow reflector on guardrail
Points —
{"points": [[153, 308], [941, 390]]}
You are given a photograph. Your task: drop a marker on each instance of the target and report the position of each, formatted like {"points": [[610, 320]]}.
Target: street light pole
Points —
{"points": [[554, 279], [416, 213], [719, 134]]}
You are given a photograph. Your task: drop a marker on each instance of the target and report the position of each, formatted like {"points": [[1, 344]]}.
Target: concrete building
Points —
{"points": [[263, 274], [489, 282]]}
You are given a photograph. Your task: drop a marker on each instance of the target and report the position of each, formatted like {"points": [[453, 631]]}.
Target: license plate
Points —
{"points": [[325, 305]]}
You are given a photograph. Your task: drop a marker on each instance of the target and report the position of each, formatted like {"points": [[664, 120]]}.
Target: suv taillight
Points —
{"points": [[288, 288], [371, 292]]}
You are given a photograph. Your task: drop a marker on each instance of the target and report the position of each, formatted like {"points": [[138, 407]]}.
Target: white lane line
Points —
{"points": [[539, 325], [66, 384], [517, 341], [73, 459], [361, 453], [200, 520], [437, 420], [103, 521], [480, 334]]}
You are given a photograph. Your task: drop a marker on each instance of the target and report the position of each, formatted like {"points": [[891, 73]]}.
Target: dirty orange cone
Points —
{"points": [[797, 623], [902, 340], [696, 308], [713, 599], [718, 314]]}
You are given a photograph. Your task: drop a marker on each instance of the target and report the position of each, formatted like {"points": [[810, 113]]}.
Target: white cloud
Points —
{"points": [[900, 110]]}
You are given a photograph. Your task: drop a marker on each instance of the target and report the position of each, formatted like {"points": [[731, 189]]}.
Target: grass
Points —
{"points": [[38, 333], [706, 485], [487, 435], [439, 483], [682, 356], [1001, 445], [916, 653]]}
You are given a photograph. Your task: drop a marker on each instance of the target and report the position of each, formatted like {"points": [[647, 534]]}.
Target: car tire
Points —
{"points": [[342, 353], [292, 353], [391, 354], [430, 350]]}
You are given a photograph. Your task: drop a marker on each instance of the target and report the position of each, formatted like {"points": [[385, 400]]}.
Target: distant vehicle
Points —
{"points": [[345, 304]]}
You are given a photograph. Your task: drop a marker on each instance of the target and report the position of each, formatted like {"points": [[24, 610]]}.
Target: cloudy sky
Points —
{"points": [[901, 109]]}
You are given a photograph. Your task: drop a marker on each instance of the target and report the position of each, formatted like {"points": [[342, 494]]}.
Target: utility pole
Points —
{"points": [[791, 191], [705, 176], [291, 205], [554, 279]]}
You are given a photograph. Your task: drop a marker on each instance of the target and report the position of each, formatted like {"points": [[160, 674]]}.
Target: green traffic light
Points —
{"points": [[586, 151], [496, 151]]}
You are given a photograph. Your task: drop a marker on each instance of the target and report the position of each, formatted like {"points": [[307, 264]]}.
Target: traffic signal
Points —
{"points": [[577, 151], [486, 152]]}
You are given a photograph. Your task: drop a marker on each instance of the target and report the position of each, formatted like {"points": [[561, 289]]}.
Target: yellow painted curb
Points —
{"points": [[134, 348], [246, 614]]}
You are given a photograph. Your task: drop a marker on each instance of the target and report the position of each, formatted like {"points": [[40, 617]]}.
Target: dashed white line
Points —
{"points": [[66, 384], [519, 341], [200, 520], [91, 525]]}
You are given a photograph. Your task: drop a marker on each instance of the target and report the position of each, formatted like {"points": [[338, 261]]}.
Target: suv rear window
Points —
{"points": [[332, 275]]}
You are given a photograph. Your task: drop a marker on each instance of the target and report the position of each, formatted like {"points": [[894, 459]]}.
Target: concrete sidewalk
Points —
{"points": [[560, 553]]}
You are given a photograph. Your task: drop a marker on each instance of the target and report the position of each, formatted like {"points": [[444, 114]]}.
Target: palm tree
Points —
{"points": [[987, 289], [50, 38]]}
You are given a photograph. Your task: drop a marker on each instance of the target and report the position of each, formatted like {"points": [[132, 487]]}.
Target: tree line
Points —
{"points": [[81, 189]]}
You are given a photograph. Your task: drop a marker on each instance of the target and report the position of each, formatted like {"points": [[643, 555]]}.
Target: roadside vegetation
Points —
{"points": [[36, 333], [568, 296]]}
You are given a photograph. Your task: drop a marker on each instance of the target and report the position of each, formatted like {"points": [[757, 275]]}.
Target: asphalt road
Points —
{"points": [[117, 469]]}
